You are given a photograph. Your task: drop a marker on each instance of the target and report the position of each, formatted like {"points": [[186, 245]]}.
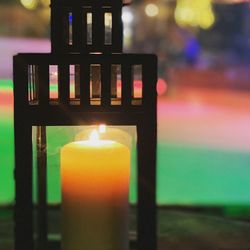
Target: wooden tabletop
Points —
{"points": [[177, 230]]}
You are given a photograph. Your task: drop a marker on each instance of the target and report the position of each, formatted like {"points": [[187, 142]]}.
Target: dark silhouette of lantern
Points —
{"points": [[80, 39]]}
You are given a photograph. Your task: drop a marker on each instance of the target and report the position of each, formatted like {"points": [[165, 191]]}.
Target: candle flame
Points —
{"points": [[102, 128], [94, 136]]}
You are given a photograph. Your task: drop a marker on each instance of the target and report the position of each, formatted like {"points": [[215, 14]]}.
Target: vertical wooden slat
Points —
{"points": [[65, 30], [147, 135], [59, 29], [149, 82], [106, 84], [126, 84], [56, 30], [98, 28], [23, 159], [84, 29], [117, 30], [85, 84], [63, 79], [77, 29], [42, 187], [23, 178], [43, 82], [146, 213]]}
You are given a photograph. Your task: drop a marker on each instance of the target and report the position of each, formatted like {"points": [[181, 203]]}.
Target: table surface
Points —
{"points": [[178, 230]]}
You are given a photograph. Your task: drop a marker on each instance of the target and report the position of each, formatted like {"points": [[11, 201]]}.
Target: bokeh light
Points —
{"points": [[127, 16], [151, 10], [127, 32], [196, 13], [161, 87], [29, 4]]}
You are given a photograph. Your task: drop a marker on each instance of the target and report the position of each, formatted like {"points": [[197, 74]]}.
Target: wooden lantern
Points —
{"points": [[34, 106]]}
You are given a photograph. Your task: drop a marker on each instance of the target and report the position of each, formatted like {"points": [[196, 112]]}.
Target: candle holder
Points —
{"points": [[109, 87]]}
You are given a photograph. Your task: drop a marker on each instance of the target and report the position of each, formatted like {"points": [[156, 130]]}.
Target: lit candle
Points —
{"points": [[95, 184], [123, 135]]}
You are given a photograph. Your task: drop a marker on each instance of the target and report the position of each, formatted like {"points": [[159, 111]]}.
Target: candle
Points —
{"points": [[95, 183]]}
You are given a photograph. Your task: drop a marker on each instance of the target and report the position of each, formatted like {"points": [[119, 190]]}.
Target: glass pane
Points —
{"points": [[108, 28], [89, 28], [53, 82], [72, 81], [116, 84], [95, 84], [88, 196], [137, 89], [32, 84], [70, 19]]}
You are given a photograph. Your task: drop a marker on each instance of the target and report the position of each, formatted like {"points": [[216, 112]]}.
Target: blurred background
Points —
{"points": [[203, 47]]}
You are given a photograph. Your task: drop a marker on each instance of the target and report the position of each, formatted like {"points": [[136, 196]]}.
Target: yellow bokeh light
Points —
{"points": [[151, 10], [29, 4], [206, 20], [195, 13]]}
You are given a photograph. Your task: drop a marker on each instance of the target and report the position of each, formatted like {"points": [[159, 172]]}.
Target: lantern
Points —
{"points": [[94, 83]]}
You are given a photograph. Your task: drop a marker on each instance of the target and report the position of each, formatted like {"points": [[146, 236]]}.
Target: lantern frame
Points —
{"points": [[42, 111]]}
